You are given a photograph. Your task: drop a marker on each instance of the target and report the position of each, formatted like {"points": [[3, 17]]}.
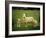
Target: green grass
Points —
{"points": [[18, 14]]}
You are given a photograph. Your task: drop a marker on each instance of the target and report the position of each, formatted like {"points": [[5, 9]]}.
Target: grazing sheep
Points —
{"points": [[25, 20]]}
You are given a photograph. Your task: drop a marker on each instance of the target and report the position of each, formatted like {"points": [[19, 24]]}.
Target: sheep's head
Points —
{"points": [[35, 23], [24, 15]]}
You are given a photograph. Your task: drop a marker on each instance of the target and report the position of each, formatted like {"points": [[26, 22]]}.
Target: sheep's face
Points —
{"points": [[35, 23], [24, 15]]}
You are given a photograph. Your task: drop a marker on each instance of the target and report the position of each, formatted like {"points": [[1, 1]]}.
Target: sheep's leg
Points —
{"points": [[18, 24], [26, 24], [33, 25]]}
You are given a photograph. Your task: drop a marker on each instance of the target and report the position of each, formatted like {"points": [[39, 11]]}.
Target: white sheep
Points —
{"points": [[26, 20]]}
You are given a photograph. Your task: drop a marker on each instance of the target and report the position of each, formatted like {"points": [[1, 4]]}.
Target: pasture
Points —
{"points": [[17, 13]]}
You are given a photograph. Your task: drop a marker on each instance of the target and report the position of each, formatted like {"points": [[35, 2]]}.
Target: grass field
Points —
{"points": [[17, 13]]}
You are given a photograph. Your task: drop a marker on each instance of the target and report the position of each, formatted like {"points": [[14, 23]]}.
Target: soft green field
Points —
{"points": [[18, 14]]}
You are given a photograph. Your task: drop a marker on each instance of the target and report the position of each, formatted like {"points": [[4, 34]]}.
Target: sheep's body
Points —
{"points": [[28, 19]]}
